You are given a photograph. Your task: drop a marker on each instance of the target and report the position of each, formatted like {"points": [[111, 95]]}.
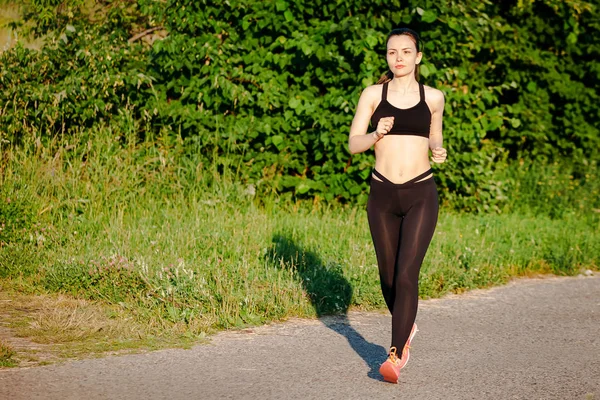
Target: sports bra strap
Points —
{"points": [[384, 91], [422, 91]]}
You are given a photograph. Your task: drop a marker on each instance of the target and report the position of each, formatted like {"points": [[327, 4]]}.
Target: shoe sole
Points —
{"points": [[410, 338], [388, 373]]}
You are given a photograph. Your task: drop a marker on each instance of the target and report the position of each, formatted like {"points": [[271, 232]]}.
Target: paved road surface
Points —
{"points": [[532, 339]]}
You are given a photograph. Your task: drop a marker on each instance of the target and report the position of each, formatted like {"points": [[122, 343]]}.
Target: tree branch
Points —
{"points": [[142, 34]]}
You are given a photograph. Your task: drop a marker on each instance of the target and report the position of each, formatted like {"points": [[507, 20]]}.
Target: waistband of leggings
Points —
{"points": [[404, 184]]}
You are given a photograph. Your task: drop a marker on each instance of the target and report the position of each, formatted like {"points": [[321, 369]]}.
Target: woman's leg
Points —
{"points": [[417, 230], [385, 232]]}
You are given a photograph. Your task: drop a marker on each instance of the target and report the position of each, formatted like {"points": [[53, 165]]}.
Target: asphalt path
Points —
{"points": [[530, 339]]}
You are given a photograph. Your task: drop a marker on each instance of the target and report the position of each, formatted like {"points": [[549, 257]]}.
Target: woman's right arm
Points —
{"points": [[359, 140]]}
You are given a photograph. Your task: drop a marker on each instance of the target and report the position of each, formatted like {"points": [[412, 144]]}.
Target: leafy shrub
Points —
{"points": [[268, 89]]}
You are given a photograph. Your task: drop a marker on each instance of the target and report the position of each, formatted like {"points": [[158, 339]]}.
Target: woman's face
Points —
{"points": [[402, 56]]}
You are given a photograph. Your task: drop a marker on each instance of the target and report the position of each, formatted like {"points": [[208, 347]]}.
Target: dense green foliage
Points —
{"points": [[268, 89]]}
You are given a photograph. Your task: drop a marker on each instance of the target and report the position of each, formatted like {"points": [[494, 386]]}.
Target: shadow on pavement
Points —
{"points": [[330, 294]]}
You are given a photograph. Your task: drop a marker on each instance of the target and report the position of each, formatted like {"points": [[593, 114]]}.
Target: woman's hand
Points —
{"points": [[383, 127], [438, 155]]}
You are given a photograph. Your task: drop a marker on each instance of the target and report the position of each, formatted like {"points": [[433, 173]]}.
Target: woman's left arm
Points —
{"points": [[436, 139]]}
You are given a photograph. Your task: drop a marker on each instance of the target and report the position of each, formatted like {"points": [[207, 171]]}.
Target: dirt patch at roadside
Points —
{"points": [[44, 329], [14, 313]]}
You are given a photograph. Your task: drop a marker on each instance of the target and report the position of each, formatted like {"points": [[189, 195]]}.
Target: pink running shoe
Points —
{"points": [[406, 349], [390, 369]]}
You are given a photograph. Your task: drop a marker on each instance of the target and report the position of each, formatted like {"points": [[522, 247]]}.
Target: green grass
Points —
{"points": [[220, 265], [181, 250]]}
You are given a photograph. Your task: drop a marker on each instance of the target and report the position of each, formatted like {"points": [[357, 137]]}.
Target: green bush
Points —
{"points": [[268, 89]]}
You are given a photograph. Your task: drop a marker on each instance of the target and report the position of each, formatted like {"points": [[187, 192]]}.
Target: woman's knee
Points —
{"points": [[407, 281]]}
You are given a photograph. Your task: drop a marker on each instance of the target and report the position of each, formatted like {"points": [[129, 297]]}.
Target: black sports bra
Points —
{"points": [[415, 120]]}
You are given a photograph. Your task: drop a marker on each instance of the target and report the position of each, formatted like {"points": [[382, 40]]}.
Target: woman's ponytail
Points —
{"points": [[385, 78]]}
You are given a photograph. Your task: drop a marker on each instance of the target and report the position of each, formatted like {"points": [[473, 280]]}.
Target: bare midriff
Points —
{"points": [[402, 157]]}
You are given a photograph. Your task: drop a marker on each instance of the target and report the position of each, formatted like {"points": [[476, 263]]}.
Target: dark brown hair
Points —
{"points": [[415, 37]]}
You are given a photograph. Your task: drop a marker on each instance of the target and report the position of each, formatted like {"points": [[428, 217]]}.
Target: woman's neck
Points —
{"points": [[403, 84]]}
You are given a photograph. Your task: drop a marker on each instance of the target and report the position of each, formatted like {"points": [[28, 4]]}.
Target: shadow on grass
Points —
{"points": [[330, 294]]}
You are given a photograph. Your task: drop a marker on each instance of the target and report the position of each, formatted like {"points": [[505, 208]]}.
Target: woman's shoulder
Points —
{"points": [[434, 97], [433, 93], [376, 88], [372, 92]]}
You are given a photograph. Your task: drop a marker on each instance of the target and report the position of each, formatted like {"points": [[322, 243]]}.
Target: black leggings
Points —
{"points": [[402, 218]]}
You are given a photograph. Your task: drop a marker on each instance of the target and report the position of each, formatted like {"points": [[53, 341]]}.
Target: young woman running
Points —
{"points": [[403, 202]]}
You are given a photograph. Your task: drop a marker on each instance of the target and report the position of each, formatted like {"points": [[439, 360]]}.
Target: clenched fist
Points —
{"points": [[383, 126], [438, 155]]}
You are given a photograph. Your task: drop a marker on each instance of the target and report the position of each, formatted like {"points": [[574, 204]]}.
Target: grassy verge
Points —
{"points": [[106, 247]]}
